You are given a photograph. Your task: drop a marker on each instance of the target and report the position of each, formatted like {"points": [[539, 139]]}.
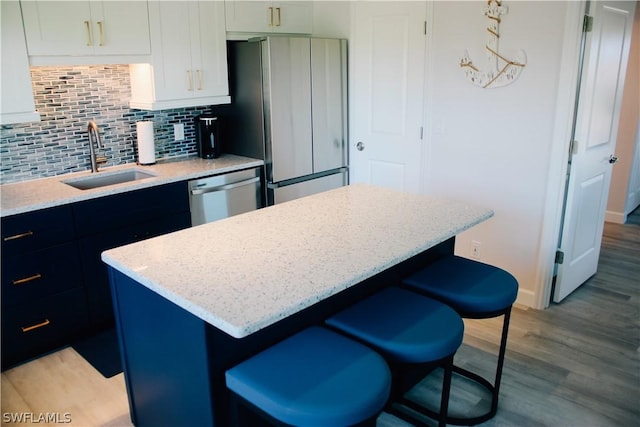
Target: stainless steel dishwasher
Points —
{"points": [[222, 196]]}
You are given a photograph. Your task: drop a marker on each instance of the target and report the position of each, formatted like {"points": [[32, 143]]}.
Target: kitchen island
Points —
{"points": [[193, 303]]}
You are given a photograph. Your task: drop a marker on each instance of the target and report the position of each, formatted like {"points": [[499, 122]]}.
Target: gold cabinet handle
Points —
{"points": [[27, 279], [88, 27], [18, 236], [271, 17], [36, 326], [101, 33], [190, 78], [199, 72], [279, 17]]}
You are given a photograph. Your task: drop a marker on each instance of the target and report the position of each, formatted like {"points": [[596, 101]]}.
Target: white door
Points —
{"points": [[386, 94], [605, 62]]}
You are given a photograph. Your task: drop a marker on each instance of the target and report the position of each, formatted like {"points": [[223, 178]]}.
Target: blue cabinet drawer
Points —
{"points": [[40, 273], [42, 325], [36, 230]]}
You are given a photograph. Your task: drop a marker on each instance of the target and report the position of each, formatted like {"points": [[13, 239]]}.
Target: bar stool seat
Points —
{"points": [[316, 377], [406, 328], [475, 290]]}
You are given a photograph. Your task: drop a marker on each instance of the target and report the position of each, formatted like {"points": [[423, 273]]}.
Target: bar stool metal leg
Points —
{"points": [[494, 388], [476, 291]]}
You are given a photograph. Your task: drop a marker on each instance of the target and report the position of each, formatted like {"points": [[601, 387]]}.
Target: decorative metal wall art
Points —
{"points": [[500, 71]]}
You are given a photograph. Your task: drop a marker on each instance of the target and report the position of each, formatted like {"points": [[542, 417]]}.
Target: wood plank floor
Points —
{"points": [[574, 364]]}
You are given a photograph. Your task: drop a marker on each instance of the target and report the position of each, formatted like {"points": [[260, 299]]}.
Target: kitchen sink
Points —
{"points": [[103, 179]]}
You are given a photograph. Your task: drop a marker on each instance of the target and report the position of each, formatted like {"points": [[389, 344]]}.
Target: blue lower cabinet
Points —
{"points": [[95, 271], [43, 299], [55, 287]]}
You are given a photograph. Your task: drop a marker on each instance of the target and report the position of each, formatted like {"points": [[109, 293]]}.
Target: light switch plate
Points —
{"points": [[178, 132]]}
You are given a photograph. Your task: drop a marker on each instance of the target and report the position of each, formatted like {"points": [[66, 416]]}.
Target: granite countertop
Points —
{"points": [[244, 273], [43, 193]]}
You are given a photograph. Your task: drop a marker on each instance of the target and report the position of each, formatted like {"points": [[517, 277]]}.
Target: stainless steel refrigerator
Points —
{"points": [[289, 107]]}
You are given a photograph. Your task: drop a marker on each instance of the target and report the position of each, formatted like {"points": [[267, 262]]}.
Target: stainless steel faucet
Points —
{"points": [[92, 128]]}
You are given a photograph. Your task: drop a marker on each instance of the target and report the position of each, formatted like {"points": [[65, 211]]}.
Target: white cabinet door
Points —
{"points": [[85, 28], [209, 50], [58, 28], [189, 60], [248, 16], [120, 28], [17, 96], [386, 94], [171, 44], [292, 17]]}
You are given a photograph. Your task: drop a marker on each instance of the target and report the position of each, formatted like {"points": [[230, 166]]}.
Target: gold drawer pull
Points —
{"points": [[18, 236], [27, 279], [36, 326], [190, 78], [101, 33], [88, 27]]}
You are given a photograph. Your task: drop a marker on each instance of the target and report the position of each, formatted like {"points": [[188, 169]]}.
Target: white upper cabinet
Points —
{"points": [[86, 28], [189, 62], [16, 95], [291, 17]]}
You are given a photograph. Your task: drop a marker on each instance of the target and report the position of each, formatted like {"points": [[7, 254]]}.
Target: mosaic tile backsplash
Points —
{"points": [[67, 98]]}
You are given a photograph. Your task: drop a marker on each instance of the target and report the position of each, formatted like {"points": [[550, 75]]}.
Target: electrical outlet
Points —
{"points": [[178, 132], [475, 249]]}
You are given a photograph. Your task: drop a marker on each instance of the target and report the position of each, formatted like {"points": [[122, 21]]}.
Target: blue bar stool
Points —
{"points": [[476, 291], [316, 377], [410, 331]]}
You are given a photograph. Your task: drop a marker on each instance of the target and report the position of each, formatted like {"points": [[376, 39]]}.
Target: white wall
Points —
{"points": [[492, 146], [331, 19], [497, 147]]}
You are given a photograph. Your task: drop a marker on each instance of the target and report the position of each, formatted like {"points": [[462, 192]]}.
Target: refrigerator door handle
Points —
{"points": [[224, 187], [279, 184]]}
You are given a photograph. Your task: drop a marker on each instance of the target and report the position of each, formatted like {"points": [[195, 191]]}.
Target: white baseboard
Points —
{"points": [[615, 217], [527, 298]]}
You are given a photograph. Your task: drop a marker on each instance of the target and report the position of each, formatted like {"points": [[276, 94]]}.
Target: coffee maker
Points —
{"points": [[208, 136]]}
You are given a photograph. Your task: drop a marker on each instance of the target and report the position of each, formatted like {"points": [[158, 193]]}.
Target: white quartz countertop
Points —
{"points": [[244, 273], [48, 192]]}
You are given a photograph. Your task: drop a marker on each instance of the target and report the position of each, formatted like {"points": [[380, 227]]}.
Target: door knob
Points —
{"points": [[612, 159], [360, 146]]}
